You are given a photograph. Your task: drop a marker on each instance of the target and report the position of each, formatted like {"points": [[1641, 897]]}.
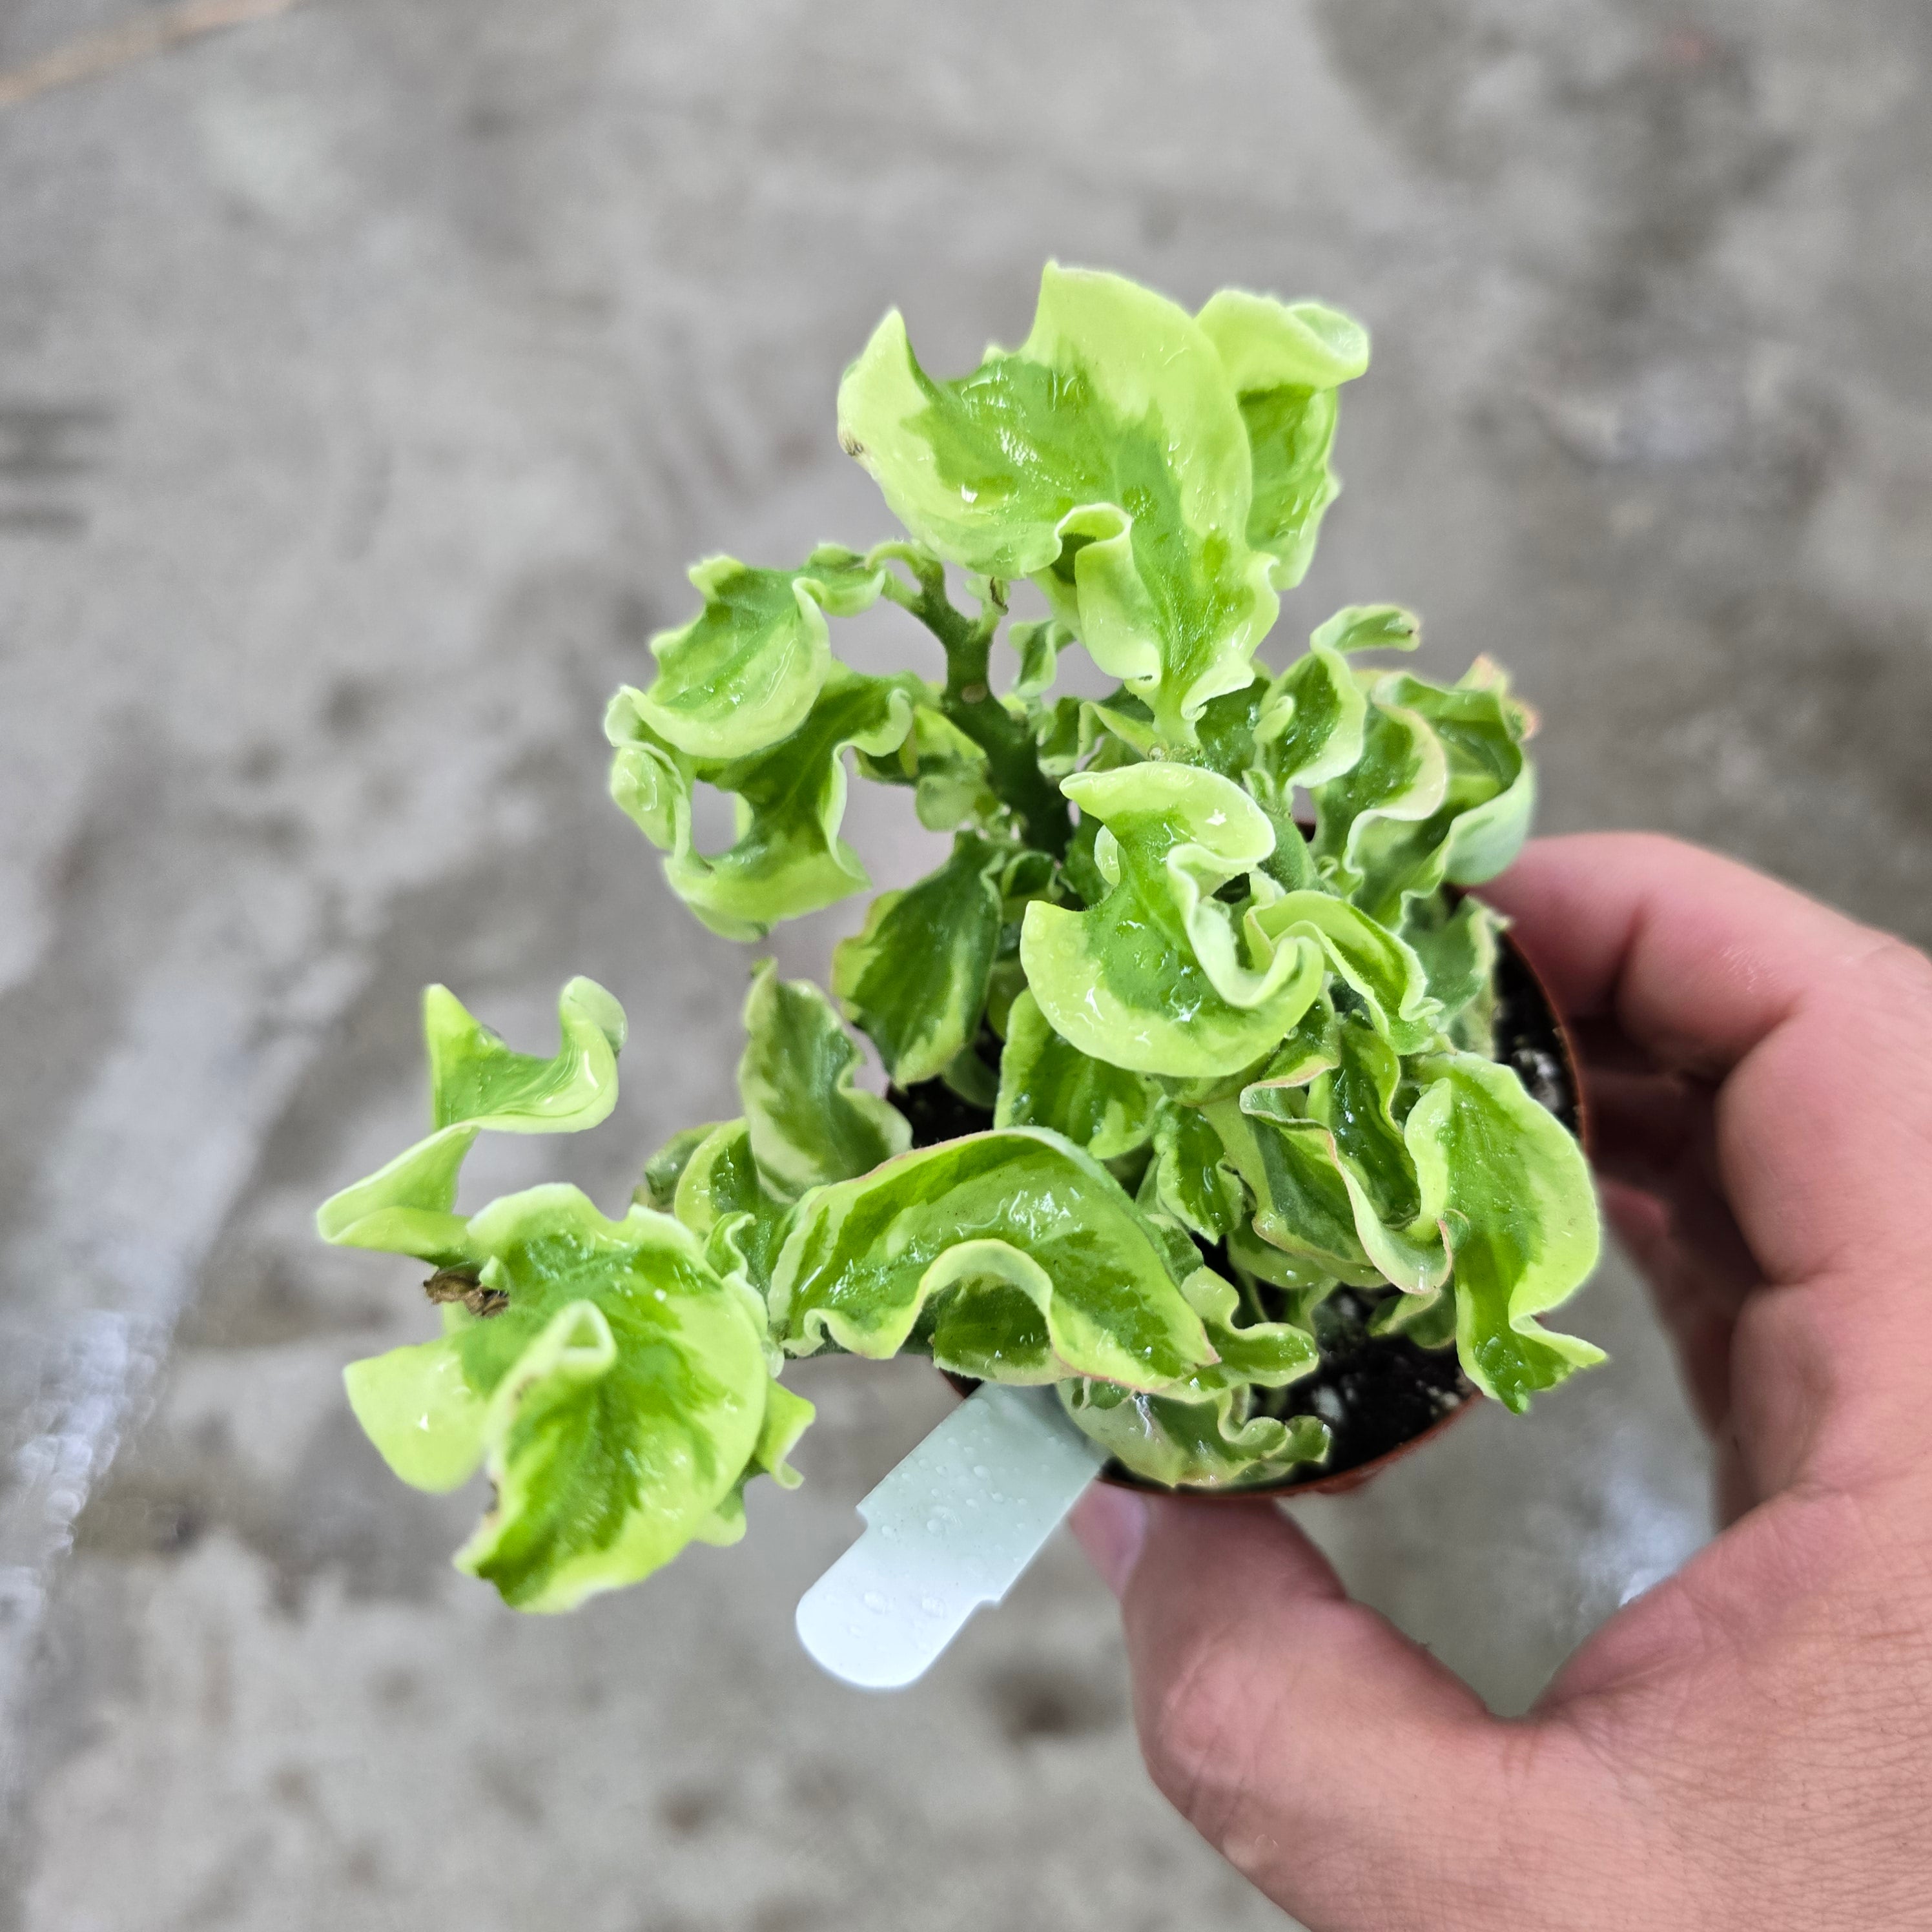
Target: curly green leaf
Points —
{"points": [[1211, 1443], [408, 1206], [616, 1400], [657, 1185], [788, 858], [1107, 459], [1489, 796], [809, 1121], [1159, 977], [1286, 361], [722, 1198], [474, 1077], [1515, 1190], [1457, 947], [1188, 1176], [1039, 646], [1311, 720], [1314, 1184], [1044, 1082], [949, 772], [1355, 1101], [1018, 1215], [1400, 779], [914, 980], [743, 673], [1377, 963], [1303, 1205]]}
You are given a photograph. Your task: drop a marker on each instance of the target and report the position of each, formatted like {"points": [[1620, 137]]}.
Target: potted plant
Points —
{"points": [[1248, 1133]]}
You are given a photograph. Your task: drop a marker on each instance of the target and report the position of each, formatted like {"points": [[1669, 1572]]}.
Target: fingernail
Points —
{"points": [[1112, 1525]]}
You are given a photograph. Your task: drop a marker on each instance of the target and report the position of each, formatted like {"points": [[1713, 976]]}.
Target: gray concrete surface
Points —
{"points": [[366, 378]]}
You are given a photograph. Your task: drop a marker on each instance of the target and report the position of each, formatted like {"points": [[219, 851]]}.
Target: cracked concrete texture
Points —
{"points": [[367, 378]]}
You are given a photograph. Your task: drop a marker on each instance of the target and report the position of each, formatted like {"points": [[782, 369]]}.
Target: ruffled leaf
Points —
{"points": [[1214, 1443], [1369, 627], [658, 1186], [914, 981], [722, 1198], [809, 1122], [618, 1397], [743, 673], [1457, 947], [408, 1206], [1286, 361], [1313, 715], [626, 1388], [1159, 977], [1106, 458], [1189, 1177], [1075, 1280], [1377, 963], [1039, 646], [1230, 735], [1205, 1434], [949, 772], [1488, 795], [1303, 1205], [474, 1077], [1044, 1082], [1268, 1355], [1313, 1186], [1515, 1191], [1492, 785], [1355, 1101], [417, 1406], [1399, 779], [788, 859]]}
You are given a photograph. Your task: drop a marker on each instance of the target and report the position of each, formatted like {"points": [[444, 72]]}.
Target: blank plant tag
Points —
{"points": [[950, 1528]]}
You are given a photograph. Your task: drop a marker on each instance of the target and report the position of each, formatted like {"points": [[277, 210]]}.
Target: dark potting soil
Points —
{"points": [[937, 1113], [1376, 1392], [1528, 1037]]}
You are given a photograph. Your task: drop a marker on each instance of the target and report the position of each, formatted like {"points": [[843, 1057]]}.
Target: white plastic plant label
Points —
{"points": [[950, 1528]]}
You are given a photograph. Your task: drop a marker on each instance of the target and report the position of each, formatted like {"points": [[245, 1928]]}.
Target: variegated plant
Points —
{"points": [[1221, 1067]]}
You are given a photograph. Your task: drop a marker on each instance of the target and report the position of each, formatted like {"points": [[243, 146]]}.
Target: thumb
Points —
{"points": [[1336, 1764]]}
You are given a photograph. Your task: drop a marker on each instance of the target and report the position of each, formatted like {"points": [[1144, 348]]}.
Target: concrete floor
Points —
{"points": [[367, 377]]}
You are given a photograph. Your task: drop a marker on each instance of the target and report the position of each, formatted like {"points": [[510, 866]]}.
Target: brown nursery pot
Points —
{"points": [[1384, 1396]]}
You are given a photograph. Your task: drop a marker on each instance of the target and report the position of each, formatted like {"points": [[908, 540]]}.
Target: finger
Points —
{"points": [[1293, 1727], [1694, 957], [1696, 1303], [1602, 1044], [1642, 1223], [1642, 1125], [1819, 1029], [1659, 1135]]}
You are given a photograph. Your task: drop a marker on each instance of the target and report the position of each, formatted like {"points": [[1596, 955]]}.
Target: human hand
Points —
{"points": [[1749, 1743]]}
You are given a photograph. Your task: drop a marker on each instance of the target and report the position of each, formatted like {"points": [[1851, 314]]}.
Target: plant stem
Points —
{"points": [[1251, 1297], [1012, 765]]}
